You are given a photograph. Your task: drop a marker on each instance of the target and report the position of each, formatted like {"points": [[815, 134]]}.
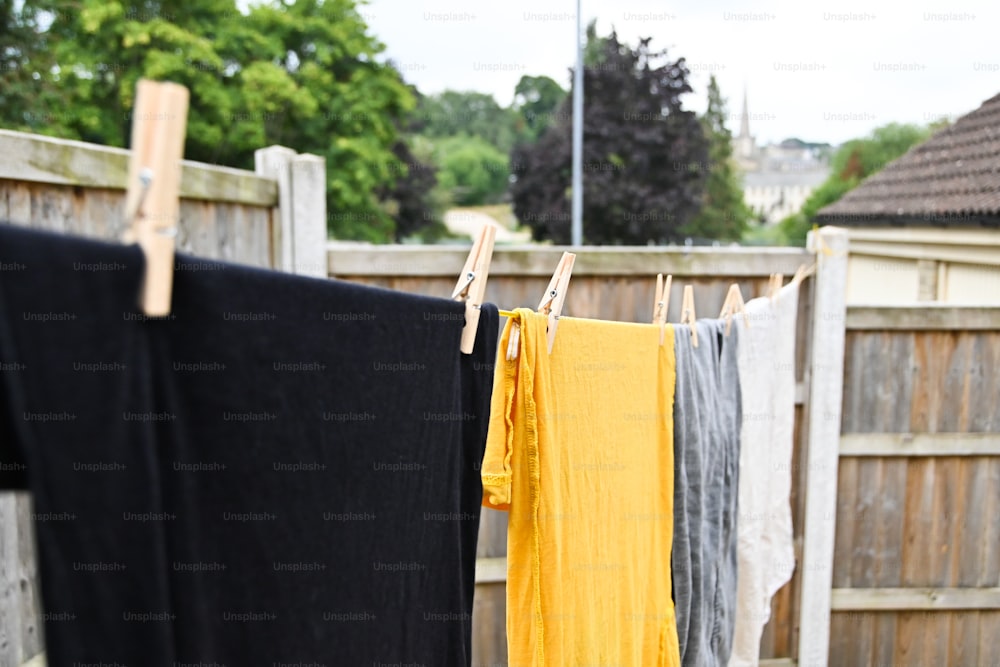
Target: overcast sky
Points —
{"points": [[814, 70]]}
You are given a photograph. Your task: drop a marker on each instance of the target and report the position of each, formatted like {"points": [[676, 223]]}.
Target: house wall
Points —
{"points": [[776, 201], [899, 266]]}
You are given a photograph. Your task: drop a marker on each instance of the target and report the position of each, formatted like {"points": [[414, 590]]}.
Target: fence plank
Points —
{"points": [[989, 574], [10, 598], [825, 397], [540, 261], [963, 639], [491, 570], [909, 599], [923, 318], [37, 661], [920, 444], [847, 512], [27, 575], [989, 631], [489, 628], [32, 157], [274, 162], [309, 215]]}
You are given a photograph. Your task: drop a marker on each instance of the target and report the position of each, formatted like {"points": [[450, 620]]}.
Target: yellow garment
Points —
{"points": [[580, 453]]}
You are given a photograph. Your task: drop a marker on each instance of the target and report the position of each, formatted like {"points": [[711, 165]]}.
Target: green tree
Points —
{"points": [[642, 153], [29, 102], [724, 215], [453, 113], [853, 162], [472, 170], [537, 99], [304, 74]]}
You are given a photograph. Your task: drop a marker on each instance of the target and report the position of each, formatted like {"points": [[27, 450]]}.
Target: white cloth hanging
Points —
{"points": [[765, 552]]}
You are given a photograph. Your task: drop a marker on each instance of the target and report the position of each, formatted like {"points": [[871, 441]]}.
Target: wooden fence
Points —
{"points": [[916, 577], [229, 214]]}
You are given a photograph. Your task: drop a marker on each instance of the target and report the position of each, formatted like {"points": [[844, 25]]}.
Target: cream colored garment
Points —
{"points": [[765, 553]]}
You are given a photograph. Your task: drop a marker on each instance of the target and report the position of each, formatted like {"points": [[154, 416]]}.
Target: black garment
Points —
{"points": [[284, 470]]}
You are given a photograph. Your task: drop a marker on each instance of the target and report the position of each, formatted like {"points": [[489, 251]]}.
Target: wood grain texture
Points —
{"points": [[824, 428], [920, 449], [491, 570], [48, 160], [919, 444], [489, 626], [215, 230], [11, 612], [915, 598], [32, 640], [540, 261], [926, 317]]}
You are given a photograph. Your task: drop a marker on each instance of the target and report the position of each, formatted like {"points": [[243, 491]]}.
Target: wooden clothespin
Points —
{"points": [[471, 286], [662, 303], [777, 280], [555, 295], [733, 305], [802, 273], [688, 315], [551, 305], [152, 204]]}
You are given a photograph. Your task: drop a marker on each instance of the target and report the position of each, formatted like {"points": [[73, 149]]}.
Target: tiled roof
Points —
{"points": [[953, 178]]}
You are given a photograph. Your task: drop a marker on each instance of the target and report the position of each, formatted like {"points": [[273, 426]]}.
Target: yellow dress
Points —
{"points": [[580, 453]]}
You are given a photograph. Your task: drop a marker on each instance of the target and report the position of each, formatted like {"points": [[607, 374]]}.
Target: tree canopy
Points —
{"points": [[643, 153], [453, 113], [537, 99], [305, 75]]}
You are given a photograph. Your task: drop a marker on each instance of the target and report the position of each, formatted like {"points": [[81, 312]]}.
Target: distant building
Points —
{"points": [[778, 178], [927, 227]]}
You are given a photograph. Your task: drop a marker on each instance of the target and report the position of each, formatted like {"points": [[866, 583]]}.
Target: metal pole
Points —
{"points": [[576, 230]]}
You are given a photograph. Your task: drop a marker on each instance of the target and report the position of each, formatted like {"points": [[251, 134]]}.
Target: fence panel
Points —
{"points": [[916, 567]]}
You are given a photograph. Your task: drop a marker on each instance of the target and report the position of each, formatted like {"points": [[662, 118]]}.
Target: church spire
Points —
{"points": [[744, 118]]}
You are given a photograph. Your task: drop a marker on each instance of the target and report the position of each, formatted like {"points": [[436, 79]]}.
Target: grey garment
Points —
{"points": [[707, 419]]}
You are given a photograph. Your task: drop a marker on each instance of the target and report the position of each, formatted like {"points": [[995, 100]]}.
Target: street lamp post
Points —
{"points": [[576, 229]]}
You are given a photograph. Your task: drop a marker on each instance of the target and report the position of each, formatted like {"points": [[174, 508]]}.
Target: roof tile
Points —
{"points": [[952, 177]]}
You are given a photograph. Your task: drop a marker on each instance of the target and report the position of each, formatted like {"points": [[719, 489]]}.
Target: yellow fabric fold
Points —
{"points": [[580, 453]]}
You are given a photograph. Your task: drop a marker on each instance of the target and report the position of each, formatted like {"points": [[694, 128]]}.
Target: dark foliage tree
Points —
{"points": [[407, 201], [644, 154]]}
